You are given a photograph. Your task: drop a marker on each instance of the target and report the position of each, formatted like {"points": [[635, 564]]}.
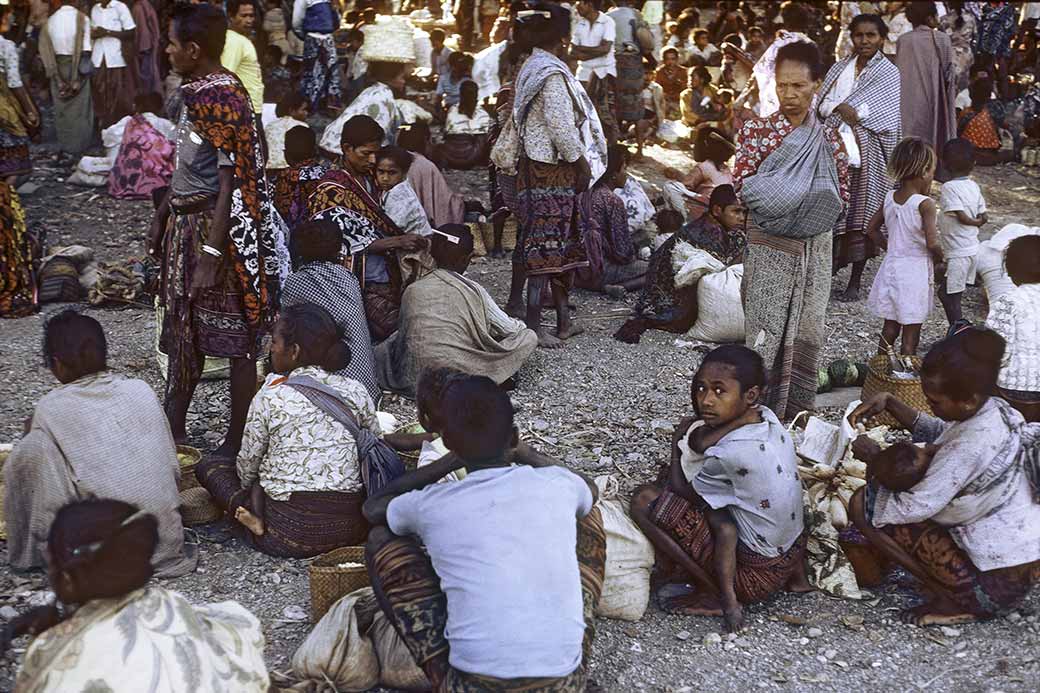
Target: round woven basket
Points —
{"points": [[198, 508], [329, 582], [191, 459], [389, 40], [879, 379]]}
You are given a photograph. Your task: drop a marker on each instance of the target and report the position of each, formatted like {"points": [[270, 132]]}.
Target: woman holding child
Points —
{"points": [[969, 528]]}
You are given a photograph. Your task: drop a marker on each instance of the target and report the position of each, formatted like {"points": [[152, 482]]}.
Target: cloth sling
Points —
{"points": [[380, 464]]}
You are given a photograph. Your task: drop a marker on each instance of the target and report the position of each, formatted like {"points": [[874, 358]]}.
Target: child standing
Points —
{"points": [[1015, 316], [963, 212], [730, 512], [902, 293]]}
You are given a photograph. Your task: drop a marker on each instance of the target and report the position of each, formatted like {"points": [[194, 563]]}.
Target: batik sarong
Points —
{"points": [[787, 283], [308, 524], [113, 89], [17, 283], [602, 92], [409, 593], [320, 71], [757, 577], [14, 138], [631, 78], [552, 241]]}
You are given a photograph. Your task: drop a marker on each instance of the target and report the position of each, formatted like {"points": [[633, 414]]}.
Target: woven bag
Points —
{"points": [[329, 582]]}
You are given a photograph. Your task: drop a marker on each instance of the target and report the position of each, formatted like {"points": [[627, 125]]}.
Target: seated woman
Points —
{"points": [[449, 320], [688, 193], [729, 513], [698, 103], [304, 460], [466, 131], [613, 267], [145, 158], [291, 112], [101, 554], [970, 530], [980, 124], [442, 204], [663, 306], [98, 434], [320, 278]]}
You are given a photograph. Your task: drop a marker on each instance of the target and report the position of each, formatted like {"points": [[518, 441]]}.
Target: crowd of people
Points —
{"points": [[335, 260]]}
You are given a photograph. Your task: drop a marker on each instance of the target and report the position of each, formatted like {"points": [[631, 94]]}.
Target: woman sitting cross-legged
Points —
{"points": [[969, 530], [297, 484], [115, 631], [729, 513]]}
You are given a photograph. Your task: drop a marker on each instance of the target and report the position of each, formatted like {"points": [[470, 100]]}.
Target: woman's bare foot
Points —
{"points": [[937, 613], [250, 521], [850, 295], [693, 605], [734, 617], [615, 291], [569, 330], [799, 583], [548, 341]]}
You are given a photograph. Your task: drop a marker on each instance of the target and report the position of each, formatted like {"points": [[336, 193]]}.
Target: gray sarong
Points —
{"points": [[73, 118]]}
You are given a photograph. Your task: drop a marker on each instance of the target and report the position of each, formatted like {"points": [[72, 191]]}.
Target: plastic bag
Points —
{"points": [[336, 650], [720, 313]]}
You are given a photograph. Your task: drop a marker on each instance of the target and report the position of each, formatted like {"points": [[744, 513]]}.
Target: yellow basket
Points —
{"points": [[329, 582], [188, 464], [879, 379]]}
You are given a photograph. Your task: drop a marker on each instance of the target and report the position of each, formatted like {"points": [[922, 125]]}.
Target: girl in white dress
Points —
{"points": [[903, 290]]}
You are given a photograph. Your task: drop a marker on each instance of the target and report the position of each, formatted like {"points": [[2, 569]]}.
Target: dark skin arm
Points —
{"points": [[525, 454], [158, 232], [968, 220], [408, 442], [32, 622], [874, 229], [206, 271], [406, 242], [375, 508]]}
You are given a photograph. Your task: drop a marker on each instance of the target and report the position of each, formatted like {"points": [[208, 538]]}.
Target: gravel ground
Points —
{"points": [[602, 408]]}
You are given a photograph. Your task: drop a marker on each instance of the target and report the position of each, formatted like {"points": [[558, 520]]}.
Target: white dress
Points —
{"points": [[904, 288]]}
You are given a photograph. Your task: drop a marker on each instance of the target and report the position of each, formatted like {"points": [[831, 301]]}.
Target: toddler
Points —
{"points": [[901, 466], [730, 512], [902, 293], [398, 197], [1015, 316], [963, 212]]}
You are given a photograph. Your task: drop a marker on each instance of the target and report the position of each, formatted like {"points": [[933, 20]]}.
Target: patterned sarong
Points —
{"points": [[787, 284], [631, 78], [144, 163], [601, 91], [320, 71], [757, 577], [982, 593], [549, 216], [308, 524], [410, 594], [17, 284]]}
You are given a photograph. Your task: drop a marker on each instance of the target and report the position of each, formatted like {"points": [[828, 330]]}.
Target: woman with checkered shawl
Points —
{"points": [[860, 98], [792, 174]]}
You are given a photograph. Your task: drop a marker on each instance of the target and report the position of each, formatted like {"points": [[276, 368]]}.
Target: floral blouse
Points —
{"points": [[999, 23], [759, 137], [291, 445]]}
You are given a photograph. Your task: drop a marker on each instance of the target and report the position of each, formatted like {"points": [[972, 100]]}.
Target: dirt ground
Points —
{"points": [[601, 407]]}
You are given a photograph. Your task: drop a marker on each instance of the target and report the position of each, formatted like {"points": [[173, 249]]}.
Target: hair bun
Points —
{"points": [[984, 345], [337, 356]]}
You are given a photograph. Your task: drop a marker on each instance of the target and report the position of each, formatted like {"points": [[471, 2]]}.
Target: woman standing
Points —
{"points": [[969, 530], [18, 114], [963, 31], [558, 146], [860, 99], [792, 174]]}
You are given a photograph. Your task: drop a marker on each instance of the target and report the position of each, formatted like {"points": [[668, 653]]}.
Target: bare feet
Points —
{"points": [[548, 341], [734, 616], [250, 521], [516, 310], [693, 605], [850, 295], [615, 291], [570, 330], [798, 582], [936, 613]]}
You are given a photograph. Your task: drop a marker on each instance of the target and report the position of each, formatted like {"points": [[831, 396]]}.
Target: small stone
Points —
{"points": [[730, 637], [949, 632], [742, 642], [636, 647], [683, 635], [632, 632], [712, 639], [294, 613], [729, 646], [876, 665], [540, 425], [1014, 617], [814, 632], [276, 578], [821, 659], [803, 641], [842, 664], [605, 461], [830, 654], [8, 612]]}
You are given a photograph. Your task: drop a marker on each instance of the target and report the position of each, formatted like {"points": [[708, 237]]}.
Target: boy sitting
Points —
{"points": [[500, 598]]}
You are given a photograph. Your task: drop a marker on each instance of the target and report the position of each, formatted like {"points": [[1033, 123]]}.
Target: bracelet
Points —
{"points": [[210, 250]]}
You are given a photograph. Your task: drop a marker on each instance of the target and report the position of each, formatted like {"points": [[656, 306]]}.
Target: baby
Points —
{"points": [[900, 467]]}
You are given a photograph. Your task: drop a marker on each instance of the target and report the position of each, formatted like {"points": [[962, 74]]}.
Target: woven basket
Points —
{"points": [[198, 508], [188, 465], [879, 379], [389, 40], [508, 235], [329, 583]]}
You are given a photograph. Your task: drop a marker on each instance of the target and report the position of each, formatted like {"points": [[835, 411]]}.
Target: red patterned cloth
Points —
{"points": [[144, 163], [980, 129]]}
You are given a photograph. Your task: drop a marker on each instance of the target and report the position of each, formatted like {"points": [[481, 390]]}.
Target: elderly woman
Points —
{"points": [[860, 99], [555, 143], [296, 487], [792, 173], [969, 529]]}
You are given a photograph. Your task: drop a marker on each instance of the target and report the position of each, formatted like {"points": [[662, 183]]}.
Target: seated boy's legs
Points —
{"points": [[408, 590]]}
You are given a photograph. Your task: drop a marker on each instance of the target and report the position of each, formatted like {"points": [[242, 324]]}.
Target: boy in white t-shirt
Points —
{"points": [[513, 561], [963, 212]]}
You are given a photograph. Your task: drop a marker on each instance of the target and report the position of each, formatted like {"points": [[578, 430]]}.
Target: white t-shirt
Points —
{"points": [[502, 542], [62, 29], [115, 17], [590, 35], [963, 195]]}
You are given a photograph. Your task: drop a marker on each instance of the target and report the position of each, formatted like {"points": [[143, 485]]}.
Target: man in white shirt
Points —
{"points": [[592, 45], [64, 49], [502, 596], [113, 82]]}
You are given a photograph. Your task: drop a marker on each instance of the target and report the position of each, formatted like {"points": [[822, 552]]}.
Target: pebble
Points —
{"points": [[294, 613], [803, 641], [729, 646], [949, 632], [683, 635], [830, 654], [842, 664], [8, 612], [814, 632], [712, 639], [636, 647], [730, 637], [1014, 617], [742, 642]]}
